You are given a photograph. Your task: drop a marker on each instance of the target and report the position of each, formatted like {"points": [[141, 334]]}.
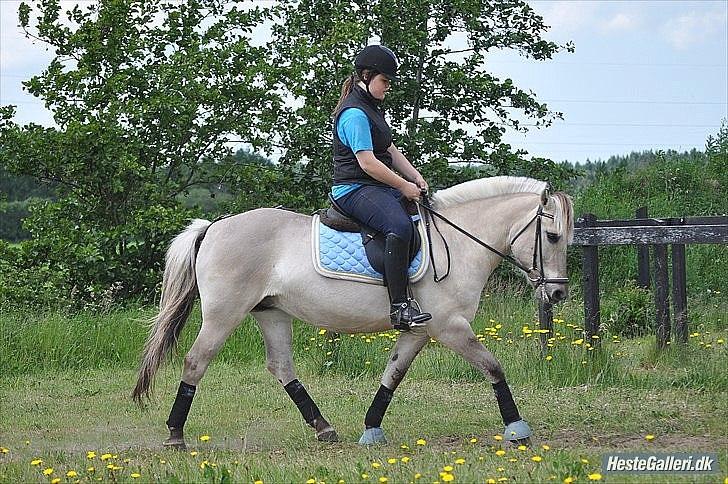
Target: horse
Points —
{"points": [[255, 263]]}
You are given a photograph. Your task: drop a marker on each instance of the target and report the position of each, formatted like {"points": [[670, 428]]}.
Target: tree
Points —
{"points": [[446, 108], [145, 96]]}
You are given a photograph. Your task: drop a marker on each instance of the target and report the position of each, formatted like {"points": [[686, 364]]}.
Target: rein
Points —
{"points": [[537, 248]]}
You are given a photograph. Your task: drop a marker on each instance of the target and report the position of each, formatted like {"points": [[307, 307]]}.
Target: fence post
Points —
{"points": [[679, 290], [591, 283], [545, 321], [643, 256], [662, 298]]}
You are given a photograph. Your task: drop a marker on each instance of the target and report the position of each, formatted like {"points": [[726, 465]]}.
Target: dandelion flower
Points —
{"points": [[584, 461], [545, 447], [363, 476], [649, 437], [36, 462], [47, 471], [421, 442], [512, 459], [106, 457], [501, 469], [500, 452], [311, 481], [136, 475], [4, 450], [549, 358], [193, 453], [498, 437], [522, 447], [537, 458], [404, 446], [56, 480], [376, 465], [418, 475], [460, 461], [595, 477], [90, 454], [71, 474], [491, 481], [447, 468], [383, 479], [473, 440], [447, 477], [405, 459], [392, 460], [90, 469], [569, 480], [322, 331], [204, 438]]}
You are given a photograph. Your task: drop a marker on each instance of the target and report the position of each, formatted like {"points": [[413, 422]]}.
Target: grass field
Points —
{"points": [[64, 400]]}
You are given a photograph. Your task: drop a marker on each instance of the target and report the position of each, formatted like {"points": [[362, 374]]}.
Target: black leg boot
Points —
{"points": [[403, 313]]}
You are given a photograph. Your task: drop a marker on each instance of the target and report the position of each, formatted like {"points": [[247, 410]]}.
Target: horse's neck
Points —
{"points": [[491, 220]]}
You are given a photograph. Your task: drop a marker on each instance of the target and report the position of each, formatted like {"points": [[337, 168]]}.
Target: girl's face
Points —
{"points": [[378, 86]]}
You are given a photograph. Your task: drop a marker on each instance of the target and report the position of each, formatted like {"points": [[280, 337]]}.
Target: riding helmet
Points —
{"points": [[378, 58]]}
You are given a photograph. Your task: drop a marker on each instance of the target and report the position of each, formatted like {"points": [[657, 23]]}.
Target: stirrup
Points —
{"points": [[403, 319]]}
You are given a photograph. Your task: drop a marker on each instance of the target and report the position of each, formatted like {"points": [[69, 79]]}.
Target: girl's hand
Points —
{"points": [[421, 183], [410, 191]]}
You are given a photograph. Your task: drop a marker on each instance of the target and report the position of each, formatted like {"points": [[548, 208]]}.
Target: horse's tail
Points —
{"points": [[179, 291]]}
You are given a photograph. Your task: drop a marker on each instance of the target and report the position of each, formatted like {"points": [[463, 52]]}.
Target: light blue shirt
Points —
{"points": [[354, 131]]}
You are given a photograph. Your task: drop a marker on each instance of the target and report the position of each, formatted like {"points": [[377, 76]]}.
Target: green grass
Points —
{"points": [[67, 379]]}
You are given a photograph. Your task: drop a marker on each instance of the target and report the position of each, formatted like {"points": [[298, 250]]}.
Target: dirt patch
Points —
{"points": [[574, 438]]}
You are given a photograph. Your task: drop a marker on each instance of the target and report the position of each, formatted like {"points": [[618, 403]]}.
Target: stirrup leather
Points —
{"points": [[407, 315]]}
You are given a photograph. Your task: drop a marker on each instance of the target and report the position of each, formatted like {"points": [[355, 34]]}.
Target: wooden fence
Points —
{"points": [[649, 235]]}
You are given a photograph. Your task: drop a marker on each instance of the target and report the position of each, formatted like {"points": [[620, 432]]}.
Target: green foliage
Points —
{"points": [[628, 311]]}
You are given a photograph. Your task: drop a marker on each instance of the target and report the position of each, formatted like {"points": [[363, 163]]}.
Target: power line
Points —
{"points": [[590, 101]]}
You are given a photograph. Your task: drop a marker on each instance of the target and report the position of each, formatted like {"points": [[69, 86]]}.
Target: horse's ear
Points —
{"points": [[545, 194]]}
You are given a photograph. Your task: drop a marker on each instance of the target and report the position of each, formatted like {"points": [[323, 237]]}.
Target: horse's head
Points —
{"points": [[538, 242]]}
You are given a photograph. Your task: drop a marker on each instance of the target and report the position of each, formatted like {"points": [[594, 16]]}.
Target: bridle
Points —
{"points": [[535, 273]]}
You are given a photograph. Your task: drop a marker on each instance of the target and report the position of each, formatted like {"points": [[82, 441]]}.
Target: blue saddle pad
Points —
{"points": [[341, 254]]}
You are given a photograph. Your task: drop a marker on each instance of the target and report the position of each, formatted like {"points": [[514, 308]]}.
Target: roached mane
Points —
{"points": [[505, 185]]}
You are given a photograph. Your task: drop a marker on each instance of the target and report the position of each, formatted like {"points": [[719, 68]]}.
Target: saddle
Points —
{"points": [[374, 241]]}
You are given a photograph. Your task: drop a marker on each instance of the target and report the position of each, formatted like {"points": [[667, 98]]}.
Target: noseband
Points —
{"points": [[534, 273]]}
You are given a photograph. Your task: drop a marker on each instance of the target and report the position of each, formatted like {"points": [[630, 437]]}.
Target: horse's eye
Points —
{"points": [[552, 237]]}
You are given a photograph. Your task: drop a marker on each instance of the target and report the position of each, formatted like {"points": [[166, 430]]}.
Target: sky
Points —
{"points": [[646, 75]]}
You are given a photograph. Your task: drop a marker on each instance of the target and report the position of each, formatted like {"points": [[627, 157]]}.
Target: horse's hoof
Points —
{"points": [[520, 442], [327, 435], [373, 436], [175, 443], [518, 432]]}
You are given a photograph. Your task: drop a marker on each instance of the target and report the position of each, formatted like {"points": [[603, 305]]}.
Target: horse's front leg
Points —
{"points": [[405, 350], [457, 335], [276, 328]]}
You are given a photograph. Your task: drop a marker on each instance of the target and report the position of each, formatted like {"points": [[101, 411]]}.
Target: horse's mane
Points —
{"points": [[482, 188]]}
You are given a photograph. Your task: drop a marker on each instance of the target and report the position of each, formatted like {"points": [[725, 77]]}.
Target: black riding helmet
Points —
{"points": [[379, 59]]}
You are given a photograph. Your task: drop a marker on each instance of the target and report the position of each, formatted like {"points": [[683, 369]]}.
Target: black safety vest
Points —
{"points": [[346, 166]]}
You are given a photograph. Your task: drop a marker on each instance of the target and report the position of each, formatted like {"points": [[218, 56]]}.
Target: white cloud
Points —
{"points": [[694, 28], [566, 15], [621, 22]]}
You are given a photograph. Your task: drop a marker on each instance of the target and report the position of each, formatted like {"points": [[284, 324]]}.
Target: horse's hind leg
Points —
{"points": [[216, 328], [276, 328], [457, 335], [405, 350]]}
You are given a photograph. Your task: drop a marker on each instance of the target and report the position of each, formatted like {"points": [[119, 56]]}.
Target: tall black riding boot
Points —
{"points": [[404, 313]]}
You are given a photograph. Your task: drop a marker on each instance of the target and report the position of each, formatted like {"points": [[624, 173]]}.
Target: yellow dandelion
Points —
{"points": [[363, 476], [473, 440], [162, 461], [204, 438], [545, 447], [584, 461], [376, 465], [491, 481], [649, 437], [500, 452], [522, 447], [322, 331], [537, 458], [392, 460], [404, 446], [105, 456], [447, 477], [512, 459], [383, 479], [193, 453], [311, 481], [447, 468], [720, 341], [405, 459], [418, 475], [595, 477], [71, 474], [36, 462], [90, 454], [421, 442], [498, 437], [501, 469], [56, 480], [47, 471], [460, 461], [569, 480], [90, 469], [135, 475], [549, 358], [4, 450]]}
